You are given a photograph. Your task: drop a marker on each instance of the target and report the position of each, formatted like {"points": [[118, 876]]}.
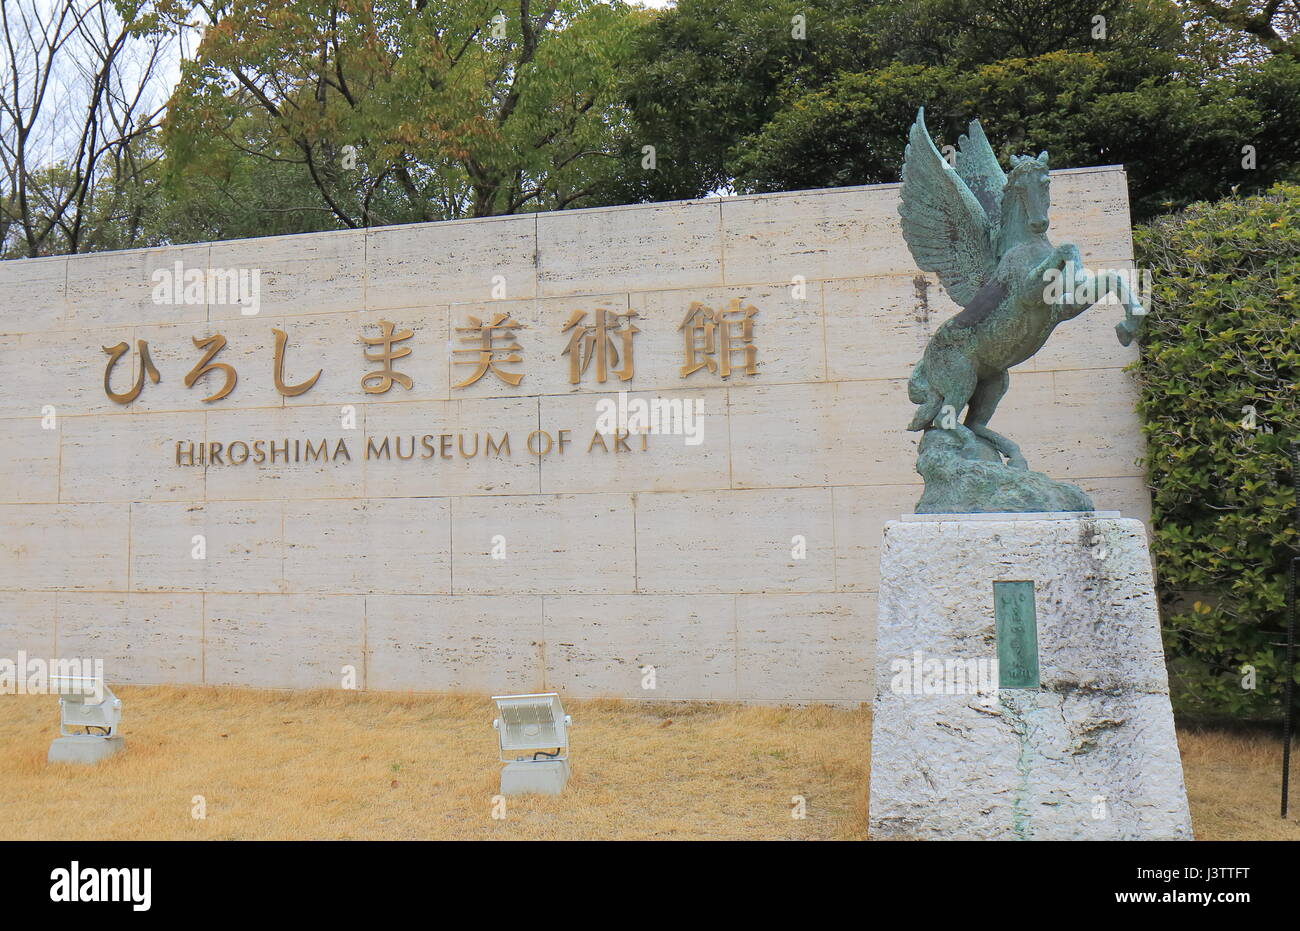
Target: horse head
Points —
{"points": [[1025, 200]]}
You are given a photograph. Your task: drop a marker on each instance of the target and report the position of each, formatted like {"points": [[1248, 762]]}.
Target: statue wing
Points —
{"points": [[979, 168], [944, 225]]}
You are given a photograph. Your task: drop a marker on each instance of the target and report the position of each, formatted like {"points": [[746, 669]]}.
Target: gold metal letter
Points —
{"points": [[281, 339], [485, 335], [146, 365], [597, 340], [379, 382], [213, 344], [710, 332]]}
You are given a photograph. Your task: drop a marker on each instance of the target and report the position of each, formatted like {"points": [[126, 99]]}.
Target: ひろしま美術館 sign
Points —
{"points": [[713, 339]]}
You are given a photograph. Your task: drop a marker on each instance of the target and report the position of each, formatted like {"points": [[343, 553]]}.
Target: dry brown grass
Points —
{"points": [[1234, 785], [284, 765]]}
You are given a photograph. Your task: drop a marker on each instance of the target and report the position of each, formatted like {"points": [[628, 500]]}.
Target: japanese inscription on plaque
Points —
{"points": [[1017, 635]]}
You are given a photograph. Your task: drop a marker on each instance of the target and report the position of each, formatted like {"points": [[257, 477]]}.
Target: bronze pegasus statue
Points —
{"points": [[983, 232]]}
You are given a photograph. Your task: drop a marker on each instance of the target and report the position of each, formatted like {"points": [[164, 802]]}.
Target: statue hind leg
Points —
{"points": [[984, 401], [954, 390]]}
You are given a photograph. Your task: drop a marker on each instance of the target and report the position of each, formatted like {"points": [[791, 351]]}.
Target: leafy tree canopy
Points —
{"points": [[731, 98], [1180, 140], [386, 111]]}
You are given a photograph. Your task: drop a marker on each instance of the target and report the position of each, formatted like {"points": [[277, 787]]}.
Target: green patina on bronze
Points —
{"points": [[984, 233], [1017, 635]]}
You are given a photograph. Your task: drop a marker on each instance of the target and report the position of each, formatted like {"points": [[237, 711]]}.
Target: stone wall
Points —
{"points": [[674, 556]]}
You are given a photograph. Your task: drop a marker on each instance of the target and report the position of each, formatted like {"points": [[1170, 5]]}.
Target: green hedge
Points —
{"points": [[1223, 334]]}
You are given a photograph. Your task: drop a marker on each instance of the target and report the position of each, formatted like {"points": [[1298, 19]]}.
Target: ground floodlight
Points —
{"points": [[85, 702], [533, 742], [535, 723]]}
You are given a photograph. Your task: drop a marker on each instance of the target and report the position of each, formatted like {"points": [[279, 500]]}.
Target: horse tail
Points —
{"points": [[920, 392], [918, 388]]}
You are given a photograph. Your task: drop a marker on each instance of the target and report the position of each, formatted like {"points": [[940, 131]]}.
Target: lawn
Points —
{"points": [[284, 765]]}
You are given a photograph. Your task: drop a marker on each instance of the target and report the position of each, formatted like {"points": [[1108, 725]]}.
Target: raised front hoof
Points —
{"points": [[1124, 333]]}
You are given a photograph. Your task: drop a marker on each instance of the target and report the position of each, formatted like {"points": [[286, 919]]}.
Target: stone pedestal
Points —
{"points": [[1089, 754], [84, 748], [539, 777]]}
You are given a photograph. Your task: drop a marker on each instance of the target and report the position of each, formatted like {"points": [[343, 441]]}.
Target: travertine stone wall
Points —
{"points": [[677, 557]]}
